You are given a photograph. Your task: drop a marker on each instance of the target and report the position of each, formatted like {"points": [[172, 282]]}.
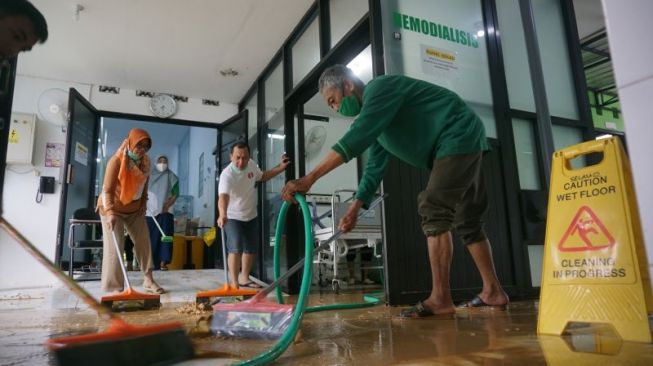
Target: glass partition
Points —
{"points": [[554, 54], [558, 78], [526, 151], [252, 125], [273, 145], [305, 52], [361, 65], [564, 136], [273, 92], [319, 136], [446, 48], [515, 58], [344, 14]]}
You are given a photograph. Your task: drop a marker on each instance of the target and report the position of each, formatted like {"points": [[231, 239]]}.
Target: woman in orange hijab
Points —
{"points": [[122, 204]]}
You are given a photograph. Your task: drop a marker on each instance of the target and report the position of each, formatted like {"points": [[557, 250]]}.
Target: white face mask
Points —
{"points": [[161, 167]]}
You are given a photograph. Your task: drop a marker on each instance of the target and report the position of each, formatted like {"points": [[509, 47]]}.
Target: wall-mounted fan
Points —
{"points": [[53, 107], [315, 138]]}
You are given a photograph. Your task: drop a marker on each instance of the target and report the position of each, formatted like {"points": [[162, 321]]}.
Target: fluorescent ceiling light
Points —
{"points": [[276, 136]]}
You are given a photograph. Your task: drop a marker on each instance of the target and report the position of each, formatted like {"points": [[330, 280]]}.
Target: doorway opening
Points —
{"points": [[190, 148]]}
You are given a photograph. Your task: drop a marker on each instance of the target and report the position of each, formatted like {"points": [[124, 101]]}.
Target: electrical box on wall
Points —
{"points": [[20, 146]]}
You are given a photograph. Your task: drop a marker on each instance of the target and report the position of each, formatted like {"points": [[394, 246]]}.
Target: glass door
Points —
{"points": [[231, 131], [78, 190], [273, 146]]}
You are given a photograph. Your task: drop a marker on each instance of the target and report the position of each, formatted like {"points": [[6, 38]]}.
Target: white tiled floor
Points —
{"points": [[181, 286]]}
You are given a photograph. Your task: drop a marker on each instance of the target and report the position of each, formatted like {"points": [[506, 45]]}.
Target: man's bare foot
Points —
{"points": [[429, 308], [495, 299], [439, 307]]}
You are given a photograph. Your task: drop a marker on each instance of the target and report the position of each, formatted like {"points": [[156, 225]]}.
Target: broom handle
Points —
{"points": [[157, 225], [72, 285], [119, 255], [224, 257], [264, 292]]}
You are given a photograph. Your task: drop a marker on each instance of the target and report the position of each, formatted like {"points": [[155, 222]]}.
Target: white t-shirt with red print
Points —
{"points": [[239, 185]]}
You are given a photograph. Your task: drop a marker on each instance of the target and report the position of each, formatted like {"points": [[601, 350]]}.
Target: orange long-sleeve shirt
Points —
{"points": [[108, 202]]}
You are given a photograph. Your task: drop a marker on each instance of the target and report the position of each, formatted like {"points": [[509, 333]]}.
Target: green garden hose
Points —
{"points": [[300, 308]]}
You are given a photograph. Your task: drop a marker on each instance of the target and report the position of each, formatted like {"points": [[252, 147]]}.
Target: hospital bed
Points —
{"points": [[367, 233]]}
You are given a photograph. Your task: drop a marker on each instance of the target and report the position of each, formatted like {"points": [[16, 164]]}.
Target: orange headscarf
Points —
{"points": [[132, 175]]}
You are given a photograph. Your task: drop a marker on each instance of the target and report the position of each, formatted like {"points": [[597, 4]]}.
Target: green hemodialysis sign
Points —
{"points": [[442, 31]]}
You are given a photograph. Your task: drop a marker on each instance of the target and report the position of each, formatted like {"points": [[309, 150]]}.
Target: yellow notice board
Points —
{"points": [[594, 260]]}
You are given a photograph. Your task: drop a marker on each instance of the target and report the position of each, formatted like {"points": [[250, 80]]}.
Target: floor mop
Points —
{"points": [[129, 299], [204, 297], [257, 318], [120, 343]]}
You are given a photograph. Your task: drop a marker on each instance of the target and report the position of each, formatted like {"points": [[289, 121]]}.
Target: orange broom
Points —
{"points": [[129, 299], [204, 297], [156, 344]]}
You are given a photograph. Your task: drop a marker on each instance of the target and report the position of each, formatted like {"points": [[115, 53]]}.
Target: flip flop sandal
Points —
{"points": [[417, 311], [154, 289], [250, 284], [477, 302]]}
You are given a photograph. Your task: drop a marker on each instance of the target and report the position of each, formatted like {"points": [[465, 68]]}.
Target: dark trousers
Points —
{"points": [[161, 252], [129, 248]]}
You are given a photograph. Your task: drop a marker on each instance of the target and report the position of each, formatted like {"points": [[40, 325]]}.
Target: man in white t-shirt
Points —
{"points": [[238, 211]]}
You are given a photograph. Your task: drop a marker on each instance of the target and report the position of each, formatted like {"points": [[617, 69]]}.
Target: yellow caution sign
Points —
{"points": [[592, 349], [594, 267], [13, 136]]}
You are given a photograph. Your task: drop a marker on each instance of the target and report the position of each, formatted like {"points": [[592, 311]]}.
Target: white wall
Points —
{"points": [[193, 110], [628, 21], [38, 221], [202, 141]]}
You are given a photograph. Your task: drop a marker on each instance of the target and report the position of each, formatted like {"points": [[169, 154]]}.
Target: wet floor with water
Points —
{"points": [[368, 336]]}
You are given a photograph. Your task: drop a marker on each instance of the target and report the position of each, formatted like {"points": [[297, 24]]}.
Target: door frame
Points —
{"points": [[244, 114], [7, 83], [73, 95], [117, 115]]}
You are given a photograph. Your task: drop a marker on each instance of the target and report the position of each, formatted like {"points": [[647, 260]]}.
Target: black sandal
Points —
{"points": [[250, 284], [417, 311], [477, 302]]}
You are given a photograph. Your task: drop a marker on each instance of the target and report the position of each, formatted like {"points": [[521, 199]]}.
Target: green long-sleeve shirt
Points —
{"points": [[415, 121]]}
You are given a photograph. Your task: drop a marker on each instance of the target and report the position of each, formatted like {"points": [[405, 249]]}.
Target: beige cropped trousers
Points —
{"points": [[112, 277]]}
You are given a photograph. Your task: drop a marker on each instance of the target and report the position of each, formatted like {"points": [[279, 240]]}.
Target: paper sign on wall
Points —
{"points": [[13, 137], [81, 154], [439, 62], [54, 154]]}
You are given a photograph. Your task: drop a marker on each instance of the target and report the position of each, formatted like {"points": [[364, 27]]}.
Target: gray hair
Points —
{"points": [[335, 76]]}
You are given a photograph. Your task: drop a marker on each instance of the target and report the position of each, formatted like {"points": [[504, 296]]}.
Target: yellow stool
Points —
{"points": [[182, 245]]}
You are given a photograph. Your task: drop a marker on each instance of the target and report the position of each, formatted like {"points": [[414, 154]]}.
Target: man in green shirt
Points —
{"points": [[429, 127]]}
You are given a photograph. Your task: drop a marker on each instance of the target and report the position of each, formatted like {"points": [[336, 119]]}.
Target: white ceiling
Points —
{"points": [[179, 47], [168, 46]]}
